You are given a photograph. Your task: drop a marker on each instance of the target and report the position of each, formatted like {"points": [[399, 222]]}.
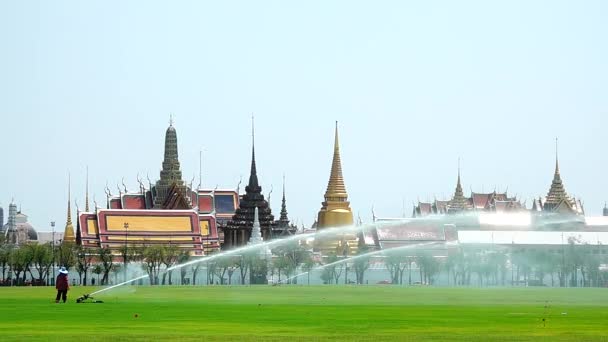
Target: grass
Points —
{"points": [[264, 313]]}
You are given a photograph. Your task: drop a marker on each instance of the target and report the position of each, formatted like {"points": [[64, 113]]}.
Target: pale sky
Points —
{"points": [[414, 84]]}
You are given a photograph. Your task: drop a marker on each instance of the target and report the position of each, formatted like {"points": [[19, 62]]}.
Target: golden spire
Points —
{"points": [[336, 190], [68, 234], [335, 210]]}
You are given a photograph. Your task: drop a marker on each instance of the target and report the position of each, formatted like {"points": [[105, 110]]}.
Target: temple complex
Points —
{"points": [[477, 202], [169, 212]]}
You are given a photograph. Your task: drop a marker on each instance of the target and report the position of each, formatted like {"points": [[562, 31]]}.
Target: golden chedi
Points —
{"points": [[335, 210]]}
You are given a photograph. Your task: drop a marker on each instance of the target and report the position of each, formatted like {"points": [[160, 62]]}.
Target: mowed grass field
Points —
{"points": [[303, 313]]}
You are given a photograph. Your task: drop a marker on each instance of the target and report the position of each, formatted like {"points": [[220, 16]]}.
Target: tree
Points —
{"points": [[42, 260], [152, 257], [307, 267], [97, 269], [169, 259], [65, 255], [224, 265], [182, 258], [282, 264], [84, 260], [18, 260], [195, 269], [107, 260], [396, 264], [294, 255], [361, 263], [429, 266], [243, 262], [5, 254]]}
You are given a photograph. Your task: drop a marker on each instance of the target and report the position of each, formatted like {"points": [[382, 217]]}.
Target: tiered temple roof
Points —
{"points": [[170, 191], [557, 200], [238, 230]]}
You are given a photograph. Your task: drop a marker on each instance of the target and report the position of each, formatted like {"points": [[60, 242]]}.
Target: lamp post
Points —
{"points": [[126, 225], [53, 251]]}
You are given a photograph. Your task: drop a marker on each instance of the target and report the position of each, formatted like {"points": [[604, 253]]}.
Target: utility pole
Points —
{"points": [[53, 251], [126, 225]]}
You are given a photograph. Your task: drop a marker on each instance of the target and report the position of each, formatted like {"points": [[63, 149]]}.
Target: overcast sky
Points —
{"points": [[414, 84]]}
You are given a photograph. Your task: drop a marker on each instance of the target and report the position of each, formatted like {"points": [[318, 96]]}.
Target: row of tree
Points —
{"points": [[574, 264]]}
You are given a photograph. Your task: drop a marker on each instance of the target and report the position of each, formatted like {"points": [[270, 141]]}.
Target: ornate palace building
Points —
{"points": [[172, 212], [169, 212], [490, 218]]}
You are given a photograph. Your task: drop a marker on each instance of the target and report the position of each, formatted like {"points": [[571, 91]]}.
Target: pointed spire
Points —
{"points": [[68, 234], [200, 169], [335, 187], [556, 158], [458, 200], [256, 232], [253, 175], [284, 220], [170, 173], [86, 199], [78, 231], [557, 193]]}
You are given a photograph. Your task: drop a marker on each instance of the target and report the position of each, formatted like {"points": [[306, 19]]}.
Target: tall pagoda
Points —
{"points": [[68, 233], [237, 231], [170, 191], [557, 200], [335, 211], [458, 203], [283, 227]]}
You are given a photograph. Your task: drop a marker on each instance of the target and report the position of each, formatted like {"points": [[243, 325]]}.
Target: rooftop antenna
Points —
{"points": [[200, 169], [86, 201]]}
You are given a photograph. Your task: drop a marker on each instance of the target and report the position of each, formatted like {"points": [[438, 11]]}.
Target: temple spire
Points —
{"points": [[86, 198], [557, 194], [335, 210], [253, 175], [256, 232], [458, 202], [284, 220], [335, 187], [68, 234], [170, 174], [556, 159]]}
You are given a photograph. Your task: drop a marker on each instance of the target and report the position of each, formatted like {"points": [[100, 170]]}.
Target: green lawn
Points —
{"points": [[288, 313]]}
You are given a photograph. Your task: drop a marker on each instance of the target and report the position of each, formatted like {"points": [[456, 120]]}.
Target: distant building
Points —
{"points": [[18, 230]]}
